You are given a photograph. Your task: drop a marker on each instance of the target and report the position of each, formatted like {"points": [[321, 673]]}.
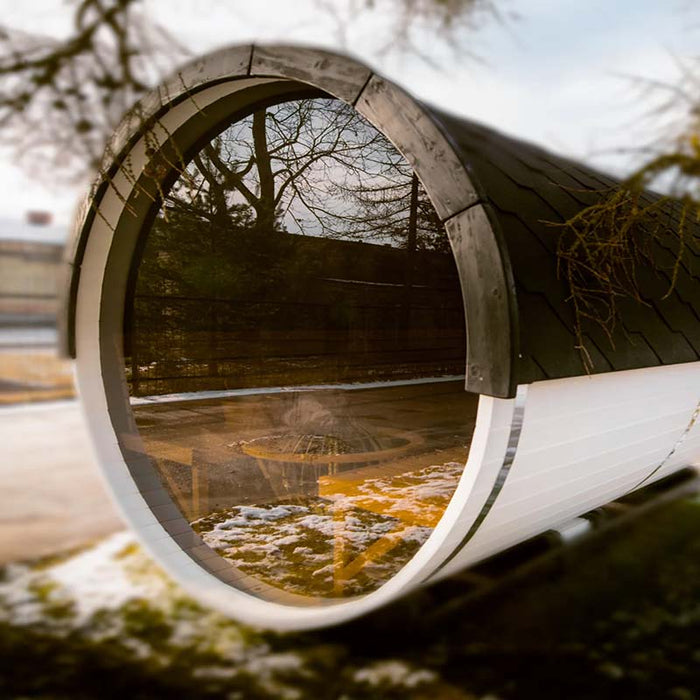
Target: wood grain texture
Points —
{"points": [[338, 75], [409, 126], [487, 302]]}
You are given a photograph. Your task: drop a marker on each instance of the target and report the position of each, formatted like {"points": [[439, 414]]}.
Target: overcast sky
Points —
{"points": [[560, 74]]}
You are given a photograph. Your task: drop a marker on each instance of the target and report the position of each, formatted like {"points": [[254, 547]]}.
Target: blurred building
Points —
{"points": [[30, 257]]}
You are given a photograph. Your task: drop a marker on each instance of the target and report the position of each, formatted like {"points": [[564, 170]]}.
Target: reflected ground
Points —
{"points": [[317, 492]]}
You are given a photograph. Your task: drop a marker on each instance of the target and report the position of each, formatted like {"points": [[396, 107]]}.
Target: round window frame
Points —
{"points": [[192, 105]]}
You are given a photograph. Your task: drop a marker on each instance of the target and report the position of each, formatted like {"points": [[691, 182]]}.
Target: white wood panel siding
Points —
{"points": [[586, 441]]}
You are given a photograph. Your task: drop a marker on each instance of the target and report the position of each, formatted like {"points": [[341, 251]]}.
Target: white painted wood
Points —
{"points": [[573, 529], [587, 441]]}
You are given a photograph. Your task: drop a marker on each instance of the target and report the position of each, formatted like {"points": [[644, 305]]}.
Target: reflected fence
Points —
{"points": [[343, 311], [181, 345], [299, 423]]}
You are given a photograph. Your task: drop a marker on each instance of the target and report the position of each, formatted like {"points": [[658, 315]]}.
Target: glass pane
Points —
{"points": [[295, 350]]}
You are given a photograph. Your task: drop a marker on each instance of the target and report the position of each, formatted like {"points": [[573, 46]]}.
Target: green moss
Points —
{"points": [[147, 623], [53, 606], [47, 562], [42, 589]]}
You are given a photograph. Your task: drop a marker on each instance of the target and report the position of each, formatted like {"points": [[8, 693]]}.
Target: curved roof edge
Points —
{"points": [[526, 192]]}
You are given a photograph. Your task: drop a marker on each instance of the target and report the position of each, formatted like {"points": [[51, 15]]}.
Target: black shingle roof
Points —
{"points": [[524, 190]]}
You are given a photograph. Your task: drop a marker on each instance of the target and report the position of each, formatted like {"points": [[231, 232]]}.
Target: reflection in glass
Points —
{"points": [[295, 350]]}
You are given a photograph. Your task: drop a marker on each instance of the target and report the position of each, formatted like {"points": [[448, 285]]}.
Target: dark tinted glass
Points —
{"points": [[295, 349]]}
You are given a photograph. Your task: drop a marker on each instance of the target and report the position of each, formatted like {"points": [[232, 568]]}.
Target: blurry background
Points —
{"points": [[614, 84]]}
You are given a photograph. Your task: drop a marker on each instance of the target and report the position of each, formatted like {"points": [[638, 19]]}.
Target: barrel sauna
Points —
{"points": [[325, 349]]}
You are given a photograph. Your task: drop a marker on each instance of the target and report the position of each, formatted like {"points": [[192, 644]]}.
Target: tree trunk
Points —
{"points": [[411, 242], [265, 206]]}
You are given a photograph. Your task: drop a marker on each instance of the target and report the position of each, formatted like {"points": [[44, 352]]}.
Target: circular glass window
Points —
{"points": [[295, 352]]}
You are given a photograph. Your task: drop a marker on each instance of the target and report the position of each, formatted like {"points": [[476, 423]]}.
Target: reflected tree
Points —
{"points": [[299, 220], [310, 166]]}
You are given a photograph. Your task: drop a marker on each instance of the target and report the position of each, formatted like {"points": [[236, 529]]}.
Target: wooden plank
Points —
{"points": [[488, 302], [337, 75], [410, 127]]}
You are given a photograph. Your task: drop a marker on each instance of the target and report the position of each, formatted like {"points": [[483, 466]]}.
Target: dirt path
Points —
{"points": [[51, 494]]}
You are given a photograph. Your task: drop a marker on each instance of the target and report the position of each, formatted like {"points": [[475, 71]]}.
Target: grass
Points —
{"points": [[619, 619]]}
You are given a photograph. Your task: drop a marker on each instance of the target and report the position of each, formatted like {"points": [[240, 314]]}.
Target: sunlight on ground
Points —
{"points": [[39, 375], [347, 542]]}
